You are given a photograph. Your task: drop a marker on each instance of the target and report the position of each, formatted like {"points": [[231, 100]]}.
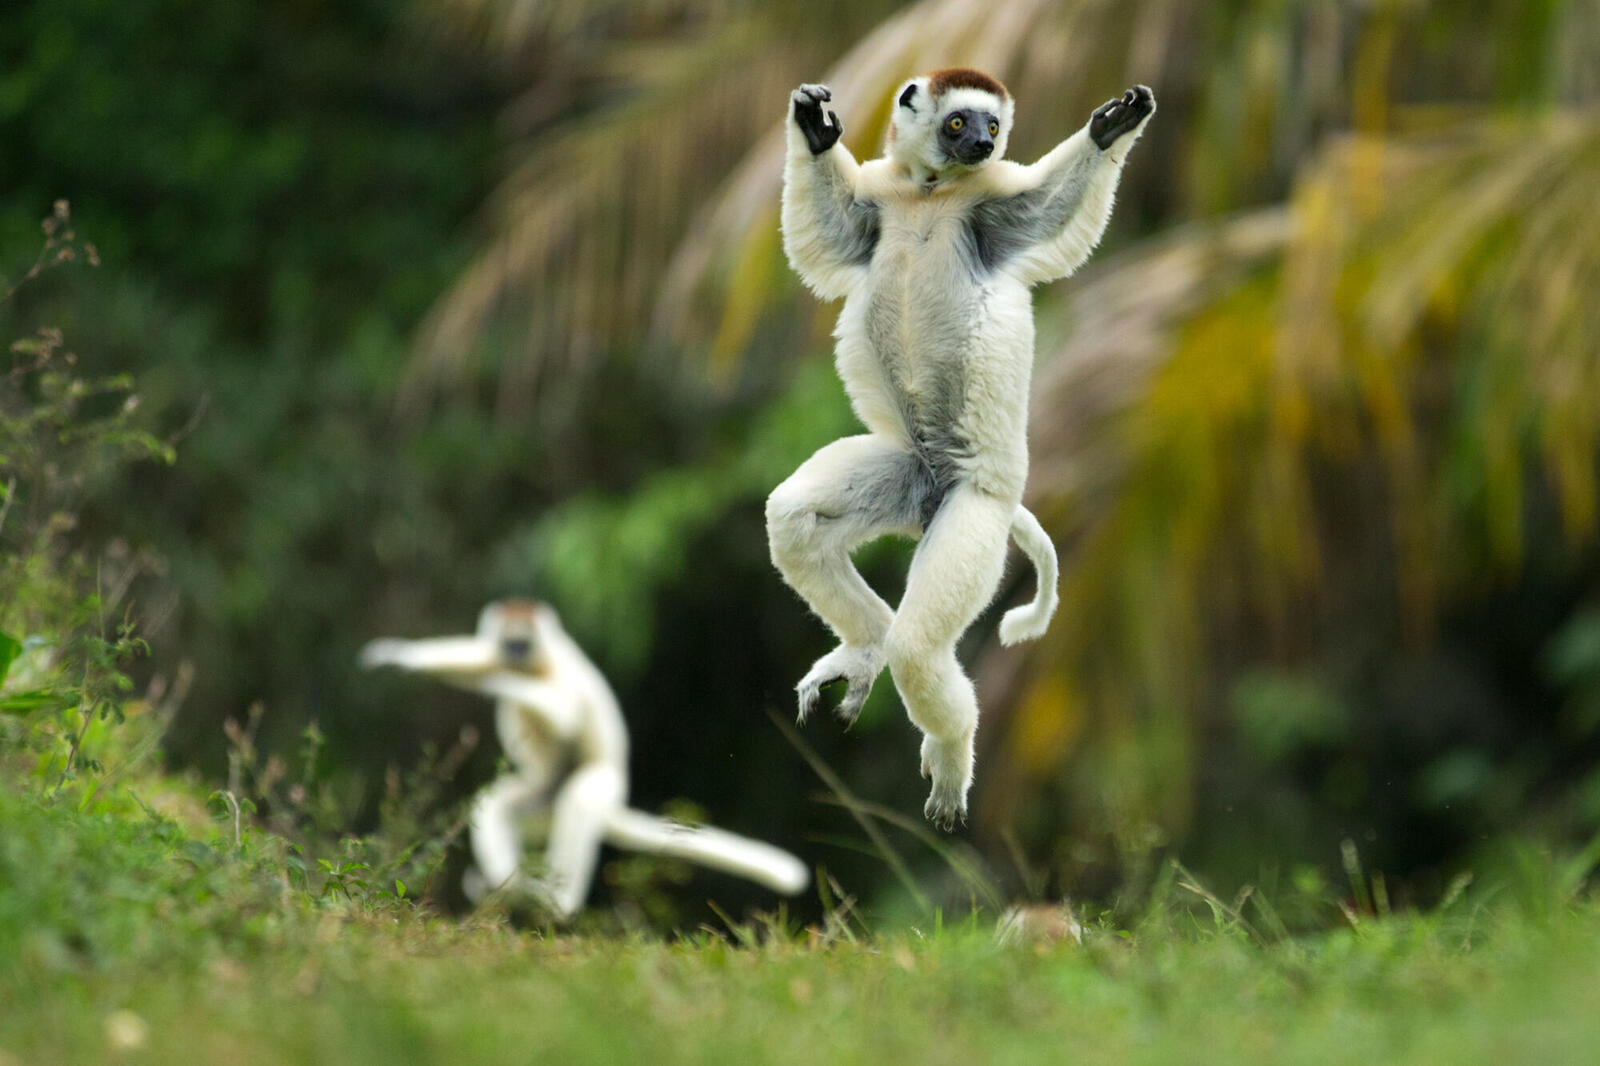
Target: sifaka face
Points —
{"points": [[966, 135], [511, 624], [951, 120]]}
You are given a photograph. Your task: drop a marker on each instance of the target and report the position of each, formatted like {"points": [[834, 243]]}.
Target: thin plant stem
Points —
{"points": [[857, 809]]}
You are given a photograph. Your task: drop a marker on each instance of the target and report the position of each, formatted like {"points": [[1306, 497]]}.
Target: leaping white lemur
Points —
{"points": [[564, 735], [934, 248]]}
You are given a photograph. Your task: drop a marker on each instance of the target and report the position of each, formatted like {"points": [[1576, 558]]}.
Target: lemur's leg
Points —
{"points": [[849, 492], [496, 842], [953, 577], [584, 805]]}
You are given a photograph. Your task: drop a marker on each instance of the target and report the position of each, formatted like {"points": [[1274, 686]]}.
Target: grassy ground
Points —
{"points": [[126, 936]]}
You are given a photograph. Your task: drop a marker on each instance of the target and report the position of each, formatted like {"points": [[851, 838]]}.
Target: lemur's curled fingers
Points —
{"points": [[821, 134], [1115, 117]]}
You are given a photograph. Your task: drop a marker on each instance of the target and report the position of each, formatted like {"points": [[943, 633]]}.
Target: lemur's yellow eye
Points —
{"points": [[956, 123], [994, 129]]}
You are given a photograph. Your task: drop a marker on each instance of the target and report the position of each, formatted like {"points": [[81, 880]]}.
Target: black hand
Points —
{"points": [[821, 134], [1115, 117]]}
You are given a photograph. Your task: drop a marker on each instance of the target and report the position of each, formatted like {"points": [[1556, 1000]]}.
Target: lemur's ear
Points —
{"points": [[908, 94]]}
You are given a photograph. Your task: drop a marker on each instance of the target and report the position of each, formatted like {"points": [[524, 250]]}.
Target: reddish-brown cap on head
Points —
{"points": [[940, 81]]}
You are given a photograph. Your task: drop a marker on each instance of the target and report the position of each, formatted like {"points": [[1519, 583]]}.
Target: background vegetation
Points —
{"points": [[436, 301]]}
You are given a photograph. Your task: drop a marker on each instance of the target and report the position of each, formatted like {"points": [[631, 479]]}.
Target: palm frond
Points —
{"points": [[587, 220]]}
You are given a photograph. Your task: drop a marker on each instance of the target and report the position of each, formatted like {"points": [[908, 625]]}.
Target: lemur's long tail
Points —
{"points": [[728, 852], [1029, 621]]}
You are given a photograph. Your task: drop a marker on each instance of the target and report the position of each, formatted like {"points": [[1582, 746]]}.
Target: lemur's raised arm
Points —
{"points": [[829, 232], [436, 655], [480, 664], [1047, 218]]}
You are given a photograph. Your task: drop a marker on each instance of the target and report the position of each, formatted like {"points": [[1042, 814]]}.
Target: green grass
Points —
{"points": [[222, 958]]}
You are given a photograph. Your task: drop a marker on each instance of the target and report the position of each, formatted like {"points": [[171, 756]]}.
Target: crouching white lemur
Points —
{"points": [[563, 733]]}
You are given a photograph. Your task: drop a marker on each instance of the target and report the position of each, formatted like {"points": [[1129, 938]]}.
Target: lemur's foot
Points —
{"points": [[853, 664], [949, 764], [516, 890], [946, 806], [1115, 117]]}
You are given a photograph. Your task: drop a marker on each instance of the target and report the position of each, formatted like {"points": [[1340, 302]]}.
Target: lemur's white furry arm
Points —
{"points": [[437, 655], [477, 665], [1054, 212], [828, 231], [715, 848]]}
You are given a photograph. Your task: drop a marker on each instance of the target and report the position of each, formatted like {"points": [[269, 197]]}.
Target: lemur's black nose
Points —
{"points": [[981, 149]]}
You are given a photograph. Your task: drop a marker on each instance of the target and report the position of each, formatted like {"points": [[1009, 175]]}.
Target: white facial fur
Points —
{"points": [[914, 132]]}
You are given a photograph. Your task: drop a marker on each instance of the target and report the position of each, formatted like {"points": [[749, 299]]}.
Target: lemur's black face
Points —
{"points": [[517, 641], [967, 136], [513, 627]]}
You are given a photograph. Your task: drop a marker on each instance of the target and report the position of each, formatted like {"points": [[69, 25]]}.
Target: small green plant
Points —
{"points": [[310, 812], [66, 635]]}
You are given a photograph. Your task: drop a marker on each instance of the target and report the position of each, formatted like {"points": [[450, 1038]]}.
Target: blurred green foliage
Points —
{"points": [[65, 636], [279, 191], [448, 300], [79, 744]]}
